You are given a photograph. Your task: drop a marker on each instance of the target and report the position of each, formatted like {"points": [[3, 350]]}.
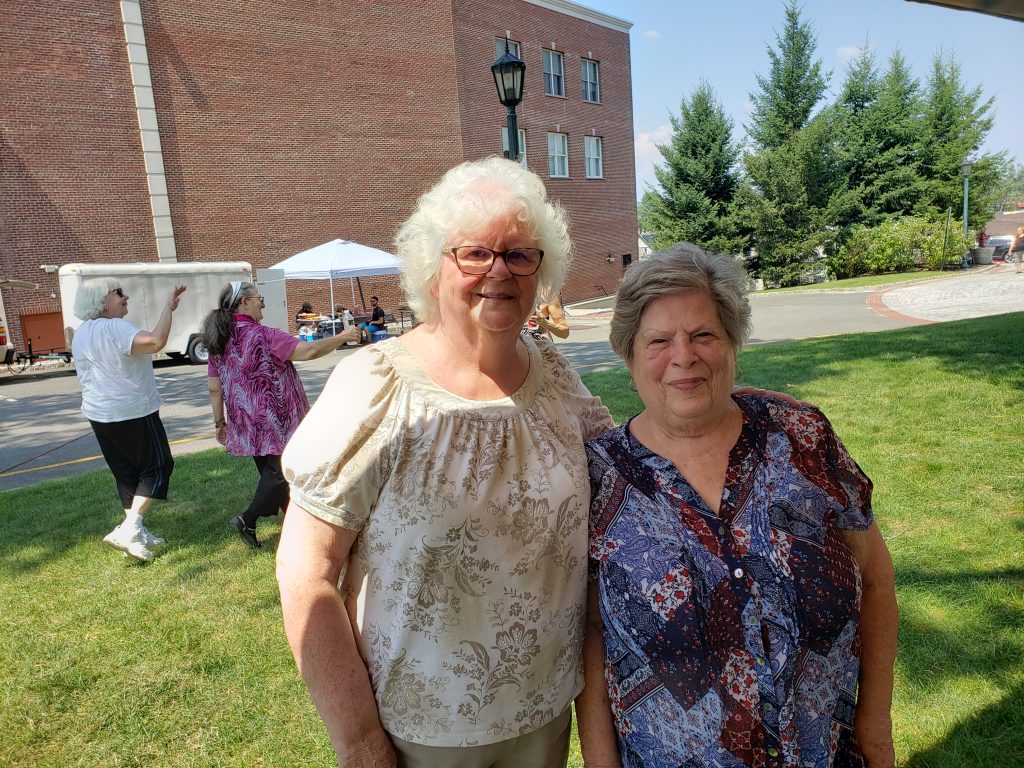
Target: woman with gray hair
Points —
{"points": [[441, 476], [114, 364], [256, 394], [742, 611]]}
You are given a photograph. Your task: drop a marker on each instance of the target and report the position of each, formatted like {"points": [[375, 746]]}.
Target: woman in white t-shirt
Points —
{"points": [[113, 360]]}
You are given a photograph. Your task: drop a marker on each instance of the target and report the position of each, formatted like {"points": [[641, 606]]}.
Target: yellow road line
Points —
{"points": [[87, 458]]}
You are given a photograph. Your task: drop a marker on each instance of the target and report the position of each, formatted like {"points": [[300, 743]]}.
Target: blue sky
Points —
{"points": [[677, 43]]}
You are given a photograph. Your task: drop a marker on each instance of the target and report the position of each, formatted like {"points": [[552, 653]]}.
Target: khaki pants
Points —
{"points": [[547, 747]]}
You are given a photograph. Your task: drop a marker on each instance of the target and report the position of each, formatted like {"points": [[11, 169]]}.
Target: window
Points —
{"points": [[593, 159], [589, 81], [554, 74], [521, 134], [558, 156], [499, 48]]}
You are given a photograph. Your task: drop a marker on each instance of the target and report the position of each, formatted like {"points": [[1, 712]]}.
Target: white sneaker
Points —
{"points": [[151, 539], [131, 542]]}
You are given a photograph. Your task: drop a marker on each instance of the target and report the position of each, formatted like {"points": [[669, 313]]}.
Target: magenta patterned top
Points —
{"points": [[263, 395]]}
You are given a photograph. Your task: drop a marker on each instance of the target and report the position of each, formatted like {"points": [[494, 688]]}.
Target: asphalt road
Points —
{"points": [[43, 434]]}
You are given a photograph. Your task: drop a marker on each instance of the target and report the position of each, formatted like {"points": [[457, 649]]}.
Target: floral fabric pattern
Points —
{"points": [[263, 395], [731, 638], [470, 565]]}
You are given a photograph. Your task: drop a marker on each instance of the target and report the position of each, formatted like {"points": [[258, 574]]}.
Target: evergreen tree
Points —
{"points": [[954, 124], [891, 183], [698, 181], [794, 85], [794, 179]]}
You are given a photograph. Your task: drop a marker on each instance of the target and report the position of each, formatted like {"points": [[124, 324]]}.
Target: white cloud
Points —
{"points": [[848, 52], [647, 155], [652, 33]]}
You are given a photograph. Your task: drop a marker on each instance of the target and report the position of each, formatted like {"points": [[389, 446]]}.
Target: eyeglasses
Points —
{"points": [[477, 260], [263, 303], [120, 292]]}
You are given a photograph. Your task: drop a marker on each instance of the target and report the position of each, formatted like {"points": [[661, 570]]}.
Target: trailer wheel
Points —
{"points": [[197, 351]]}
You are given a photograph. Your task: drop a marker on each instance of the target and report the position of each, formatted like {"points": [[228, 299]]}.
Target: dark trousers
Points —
{"points": [[271, 492], [138, 454]]}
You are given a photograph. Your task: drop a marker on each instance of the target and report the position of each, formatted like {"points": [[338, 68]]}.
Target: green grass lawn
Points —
{"points": [[183, 662], [865, 281]]}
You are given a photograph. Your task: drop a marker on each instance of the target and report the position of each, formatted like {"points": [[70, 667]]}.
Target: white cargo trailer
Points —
{"points": [[148, 287]]}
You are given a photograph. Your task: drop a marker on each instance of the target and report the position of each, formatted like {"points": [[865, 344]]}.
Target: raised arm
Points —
{"points": [[311, 350], [150, 342], [310, 560], [598, 742], [879, 622]]}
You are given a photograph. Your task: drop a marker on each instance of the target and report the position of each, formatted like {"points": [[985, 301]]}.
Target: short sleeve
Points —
{"points": [[856, 514], [281, 344], [123, 334], [338, 459], [211, 368], [819, 454], [594, 417]]}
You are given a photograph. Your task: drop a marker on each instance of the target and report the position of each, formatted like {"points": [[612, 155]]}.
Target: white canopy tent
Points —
{"points": [[338, 258]]}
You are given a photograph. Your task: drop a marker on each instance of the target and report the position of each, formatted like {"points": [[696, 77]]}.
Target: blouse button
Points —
{"points": [[721, 530], [738, 573], [767, 707], [773, 752], [760, 661]]}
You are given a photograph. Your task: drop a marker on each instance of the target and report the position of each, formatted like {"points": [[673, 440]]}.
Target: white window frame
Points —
{"points": [[588, 86], [593, 161], [522, 144], [558, 160], [554, 82], [499, 48]]}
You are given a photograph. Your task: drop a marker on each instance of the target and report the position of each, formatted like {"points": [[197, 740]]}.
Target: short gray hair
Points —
{"points": [[683, 268], [90, 295], [466, 199]]}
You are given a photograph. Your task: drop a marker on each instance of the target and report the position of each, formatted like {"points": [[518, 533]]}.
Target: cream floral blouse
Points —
{"points": [[471, 562]]}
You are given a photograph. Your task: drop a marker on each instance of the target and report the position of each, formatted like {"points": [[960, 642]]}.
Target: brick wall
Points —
{"points": [[602, 212], [284, 125], [72, 181]]}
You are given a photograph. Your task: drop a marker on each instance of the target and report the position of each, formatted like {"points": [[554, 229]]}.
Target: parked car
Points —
{"points": [[1001, 243]]}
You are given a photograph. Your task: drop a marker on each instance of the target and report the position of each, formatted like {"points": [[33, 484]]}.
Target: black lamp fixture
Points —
{"points": [[508, 70]]}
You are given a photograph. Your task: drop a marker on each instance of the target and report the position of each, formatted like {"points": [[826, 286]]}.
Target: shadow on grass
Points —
{"points": [[43, 522], [944, 634], [993, 737]]}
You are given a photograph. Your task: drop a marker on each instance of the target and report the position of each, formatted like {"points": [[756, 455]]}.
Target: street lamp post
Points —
{"points": [[508, 72], [965, 167]]}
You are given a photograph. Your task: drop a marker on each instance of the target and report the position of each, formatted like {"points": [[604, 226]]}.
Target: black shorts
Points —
{"points": [[138, 454]]}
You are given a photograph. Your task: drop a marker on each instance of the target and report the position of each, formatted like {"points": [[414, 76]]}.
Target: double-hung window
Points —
{"points": [[554, 73], [558, 155], [590, 81], [593, 157], [499, 48], [522, 143]]}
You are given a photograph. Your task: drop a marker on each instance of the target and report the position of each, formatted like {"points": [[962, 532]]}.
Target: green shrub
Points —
{"points": [[897, 245]]}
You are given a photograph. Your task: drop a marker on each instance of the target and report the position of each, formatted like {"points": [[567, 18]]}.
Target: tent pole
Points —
{"points": [[352, 285], [331, 308], [362, 299]]}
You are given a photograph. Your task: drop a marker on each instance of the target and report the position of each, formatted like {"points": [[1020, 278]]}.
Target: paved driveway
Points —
{"points": [[43, 434]]}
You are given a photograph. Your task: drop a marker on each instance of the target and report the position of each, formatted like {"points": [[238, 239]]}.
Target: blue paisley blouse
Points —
{"points": [[731, 639]]}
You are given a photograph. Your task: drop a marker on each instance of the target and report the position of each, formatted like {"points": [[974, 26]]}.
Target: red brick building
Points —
{"points": [[196, 131]]}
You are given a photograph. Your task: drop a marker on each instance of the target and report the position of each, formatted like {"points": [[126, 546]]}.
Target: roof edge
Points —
{"points": [[582, 12]]}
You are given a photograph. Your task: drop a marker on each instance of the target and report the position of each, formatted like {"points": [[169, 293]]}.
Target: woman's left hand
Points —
{"points": [[222, 434], [874, 736]]}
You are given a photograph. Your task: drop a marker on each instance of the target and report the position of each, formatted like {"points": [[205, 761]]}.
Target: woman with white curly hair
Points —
{"points": [[114, 363], [442, 476]]}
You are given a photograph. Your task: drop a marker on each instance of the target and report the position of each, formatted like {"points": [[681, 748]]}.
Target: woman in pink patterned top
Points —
{"points": [[251, 374]]}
